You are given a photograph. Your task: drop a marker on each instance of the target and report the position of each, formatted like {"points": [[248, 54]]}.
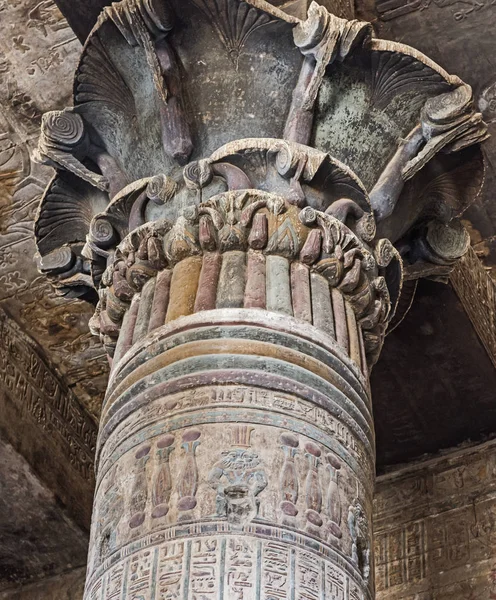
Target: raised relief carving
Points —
{"points": [[238, 478], [289, 476], [188, 482], [139, 496], [234, 21], [64, 144], [359, 530], [162, 483], [444, 121], [460, 9]]}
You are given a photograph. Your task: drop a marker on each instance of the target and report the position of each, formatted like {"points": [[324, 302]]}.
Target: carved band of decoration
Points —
{"points": [[37, 392], [477, 292], [242, 249]]}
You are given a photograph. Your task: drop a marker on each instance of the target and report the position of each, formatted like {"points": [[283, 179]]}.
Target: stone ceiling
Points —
{"points": [[38, 56]]}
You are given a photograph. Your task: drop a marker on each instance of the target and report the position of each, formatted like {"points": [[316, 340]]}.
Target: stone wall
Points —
{"points": [[435, 529]]}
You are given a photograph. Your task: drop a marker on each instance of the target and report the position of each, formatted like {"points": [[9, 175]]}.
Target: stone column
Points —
{"points": [[236, 447], [245, 284]]}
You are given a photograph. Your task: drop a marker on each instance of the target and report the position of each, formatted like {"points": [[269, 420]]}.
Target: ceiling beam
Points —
{"points": [[477, 293]]}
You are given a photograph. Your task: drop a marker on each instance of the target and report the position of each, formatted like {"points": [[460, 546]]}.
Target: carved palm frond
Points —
{"points": [[454, 182], [393, 73], [99, 80], [65, 213], [234, 21]]}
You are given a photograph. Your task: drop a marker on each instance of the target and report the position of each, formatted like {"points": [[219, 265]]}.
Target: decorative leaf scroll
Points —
{"points": [[454, 183]]}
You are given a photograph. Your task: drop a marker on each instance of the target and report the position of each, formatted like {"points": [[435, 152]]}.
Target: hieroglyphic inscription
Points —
{"points": [[140, 572], [170, 571], [239, 567], [405, 549], [205, 573], [432, 521], [335, 583], [38, 392], [277, 572], [308, 577], [115, 581]]}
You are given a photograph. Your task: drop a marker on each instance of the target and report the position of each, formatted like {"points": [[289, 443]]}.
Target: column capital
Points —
{"points": [[369, 132]]}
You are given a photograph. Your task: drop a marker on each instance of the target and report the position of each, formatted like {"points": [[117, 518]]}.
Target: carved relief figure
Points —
{"points": [[360, 535], [238, 478]]}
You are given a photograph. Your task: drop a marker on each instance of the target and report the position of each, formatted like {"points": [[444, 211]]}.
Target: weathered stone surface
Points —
{"points": [[68, 586], [37, 535], [346, 333], [477, 293], [245, 464]]}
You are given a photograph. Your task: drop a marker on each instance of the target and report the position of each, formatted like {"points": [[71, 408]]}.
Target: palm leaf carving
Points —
{"points": [[234, 21], [393, 73], [66, 211], [99, 80]]}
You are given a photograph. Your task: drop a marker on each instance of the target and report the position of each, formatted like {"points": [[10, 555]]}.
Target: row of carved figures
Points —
{"points": [[238, 477]]}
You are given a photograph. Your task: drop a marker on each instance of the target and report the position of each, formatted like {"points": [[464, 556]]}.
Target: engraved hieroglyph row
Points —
{"points": [[286, 408], [241, 567]]}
